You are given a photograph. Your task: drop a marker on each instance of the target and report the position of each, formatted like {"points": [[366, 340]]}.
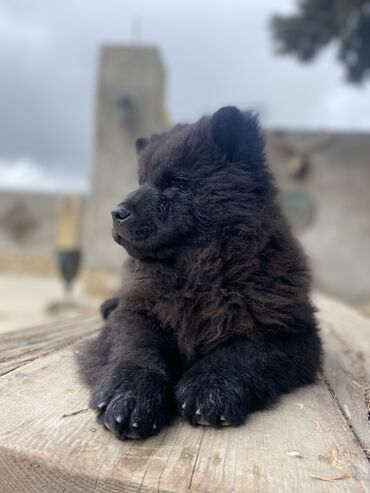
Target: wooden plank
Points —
{"points": [[346, 336], [50, 442], [22, 346]]}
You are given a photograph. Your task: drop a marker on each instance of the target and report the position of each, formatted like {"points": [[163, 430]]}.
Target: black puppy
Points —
{"points": [[214, 317]]}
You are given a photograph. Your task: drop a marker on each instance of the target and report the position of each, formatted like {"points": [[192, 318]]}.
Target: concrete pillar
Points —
{"points": [[130, 104]]}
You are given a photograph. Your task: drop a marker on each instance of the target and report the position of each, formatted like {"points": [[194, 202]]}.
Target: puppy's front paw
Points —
{"points": [[136, 404], [211, 397]]}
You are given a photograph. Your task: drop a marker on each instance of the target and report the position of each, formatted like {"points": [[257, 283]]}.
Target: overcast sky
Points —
{"points": [[215, 52]]}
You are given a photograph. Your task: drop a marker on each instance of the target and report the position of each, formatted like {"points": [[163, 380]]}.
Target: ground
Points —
{"points": [[25, 301]]}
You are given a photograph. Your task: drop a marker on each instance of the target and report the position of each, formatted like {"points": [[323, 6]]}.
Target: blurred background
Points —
{"points": [[80, 81]]}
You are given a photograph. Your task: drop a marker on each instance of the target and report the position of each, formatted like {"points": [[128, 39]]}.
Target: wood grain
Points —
{"points": [[346, 336], [50, 443], [22, 346]]}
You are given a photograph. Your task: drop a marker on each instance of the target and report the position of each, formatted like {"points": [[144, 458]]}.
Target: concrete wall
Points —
{"points": [[125, 72], [337, 181], [33, 226], [27, 232]]}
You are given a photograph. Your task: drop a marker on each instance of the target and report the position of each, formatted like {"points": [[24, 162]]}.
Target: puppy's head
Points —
{"points": [[195, 181]]}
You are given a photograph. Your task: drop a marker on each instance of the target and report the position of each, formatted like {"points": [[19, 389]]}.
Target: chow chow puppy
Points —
{"points": [[214, 318]]}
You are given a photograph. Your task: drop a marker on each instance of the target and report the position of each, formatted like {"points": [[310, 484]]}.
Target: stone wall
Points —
{"points": [[328, 173], [130, 104], [27, 232], [33, 226]]}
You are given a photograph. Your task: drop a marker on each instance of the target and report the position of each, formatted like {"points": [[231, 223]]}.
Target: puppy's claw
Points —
{"points": [[109, 426], [224, 421]]}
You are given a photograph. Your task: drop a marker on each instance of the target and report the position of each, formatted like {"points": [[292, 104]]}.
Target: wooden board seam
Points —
{"points": [[331, 391], [196, 460]]}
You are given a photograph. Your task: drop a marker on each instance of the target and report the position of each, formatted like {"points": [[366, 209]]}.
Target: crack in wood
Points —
{"points": [[346, 418]]}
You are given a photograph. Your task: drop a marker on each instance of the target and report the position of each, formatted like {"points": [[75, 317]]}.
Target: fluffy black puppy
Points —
{"points": [[214, 317]]}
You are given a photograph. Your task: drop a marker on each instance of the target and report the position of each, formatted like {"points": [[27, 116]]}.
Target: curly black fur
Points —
{"points": [[214, 317]]}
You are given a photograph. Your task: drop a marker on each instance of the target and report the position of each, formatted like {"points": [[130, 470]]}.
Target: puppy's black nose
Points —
{"points": [[120, 214]]}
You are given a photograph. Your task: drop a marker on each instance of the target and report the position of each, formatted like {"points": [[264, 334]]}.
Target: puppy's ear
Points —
{"points": [[140, 144], [237, 134]]}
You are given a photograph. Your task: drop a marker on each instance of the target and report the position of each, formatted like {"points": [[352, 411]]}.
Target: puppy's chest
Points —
{"points": [[180, 302], [200, 308]]}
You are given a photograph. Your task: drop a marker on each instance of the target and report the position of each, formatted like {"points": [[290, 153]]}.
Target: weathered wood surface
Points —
{"points": [[313, 440], [22, 346], [347, 363]]}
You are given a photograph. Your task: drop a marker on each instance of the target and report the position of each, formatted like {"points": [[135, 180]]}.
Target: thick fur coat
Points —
{"points": [[214, 317]]}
